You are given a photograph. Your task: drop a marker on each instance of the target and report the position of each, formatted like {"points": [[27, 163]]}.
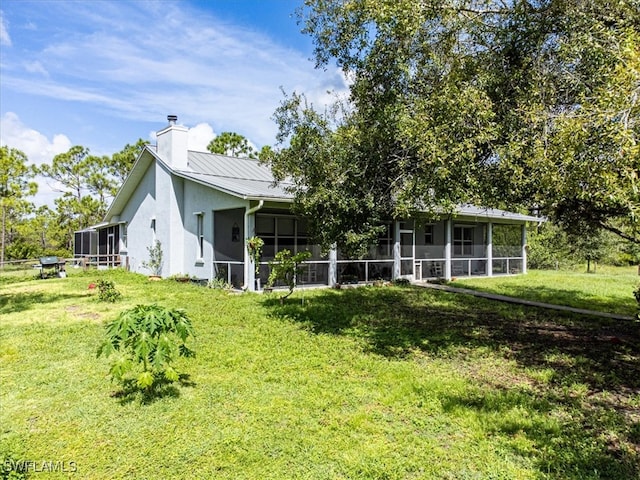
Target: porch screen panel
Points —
{"points": [[228, 227], [77, 244], [384, 249], [286, 234], [91, 239], [406, 267], [406, 245], [102, 241], [507, 240], [463, 240], [283, 232]]}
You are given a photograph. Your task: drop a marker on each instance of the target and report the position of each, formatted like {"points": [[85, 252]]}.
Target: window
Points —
{"points": [[123, 235], [463, 240], [428, 234], [281, 232], [200, 233], [385, 243]]}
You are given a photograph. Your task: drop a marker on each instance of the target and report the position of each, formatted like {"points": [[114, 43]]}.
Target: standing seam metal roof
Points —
{"points": [[248, 178], [245, 177]]}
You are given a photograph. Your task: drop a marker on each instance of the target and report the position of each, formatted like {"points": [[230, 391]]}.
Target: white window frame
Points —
{"points": [[200, 235], [463, 246], [277, 236], [429, 233]]}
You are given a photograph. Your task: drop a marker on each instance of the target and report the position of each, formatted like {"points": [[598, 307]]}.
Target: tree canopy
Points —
{"points": [[509, 104], [15, 185], [122, 161], [86, 184], [232, 144]]}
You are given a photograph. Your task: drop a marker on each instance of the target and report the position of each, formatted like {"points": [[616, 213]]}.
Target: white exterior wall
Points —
{"points": [[137, 214], [169, 220], [172, 201], [173, 145], [198, 198]]}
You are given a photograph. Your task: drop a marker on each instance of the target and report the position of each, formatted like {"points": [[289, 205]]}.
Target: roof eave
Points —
{"points": [[130, 182]]}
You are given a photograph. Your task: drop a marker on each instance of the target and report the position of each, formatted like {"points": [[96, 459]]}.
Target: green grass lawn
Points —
{"points": [[609, 290], [374, 382]]}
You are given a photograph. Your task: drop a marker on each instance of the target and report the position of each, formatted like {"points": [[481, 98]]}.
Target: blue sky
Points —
{"points": [[104, 73]]}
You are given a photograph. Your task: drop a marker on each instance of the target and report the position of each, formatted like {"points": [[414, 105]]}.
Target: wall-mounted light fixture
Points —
{"points": [[235, 233]]}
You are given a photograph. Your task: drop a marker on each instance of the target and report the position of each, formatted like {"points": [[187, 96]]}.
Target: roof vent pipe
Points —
{"points": [[172, 119]]}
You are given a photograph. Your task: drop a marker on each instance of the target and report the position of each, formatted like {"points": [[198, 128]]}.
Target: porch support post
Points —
{"points": [[333, 266], [447, 248], [490, 249], [396, 250], [249, 267], [249, 231], [524, 248]]}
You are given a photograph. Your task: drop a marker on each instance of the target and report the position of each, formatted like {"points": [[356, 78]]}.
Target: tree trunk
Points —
{"points": [[4, 227]]}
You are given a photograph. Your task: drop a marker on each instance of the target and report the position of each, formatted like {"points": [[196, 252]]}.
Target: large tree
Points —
{"points": [[86, 182], [15, 186], [232, 144], [122, 161], [500, 103]]}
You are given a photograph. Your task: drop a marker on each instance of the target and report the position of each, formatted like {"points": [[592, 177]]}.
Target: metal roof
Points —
{"points": [[249, 179], [244, 177], [494, 213]]}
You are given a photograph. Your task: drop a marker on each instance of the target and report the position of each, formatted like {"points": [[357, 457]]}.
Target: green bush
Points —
{"points": [[219, 284], [285, 268], [12, 466], [154, 264], [107, 291], [145, 341]]}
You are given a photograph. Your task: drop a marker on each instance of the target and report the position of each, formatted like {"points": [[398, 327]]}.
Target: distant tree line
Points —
{"points": [[87, 183]]}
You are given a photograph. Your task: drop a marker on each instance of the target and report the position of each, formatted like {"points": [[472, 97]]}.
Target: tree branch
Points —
{"points": [[619, 232]]}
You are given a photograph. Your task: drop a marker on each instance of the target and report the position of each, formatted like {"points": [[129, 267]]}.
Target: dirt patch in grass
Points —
{"points": [[78, 311]]}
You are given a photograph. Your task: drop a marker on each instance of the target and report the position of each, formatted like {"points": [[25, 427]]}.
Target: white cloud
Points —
{"points": [[5, 39], [200, 136], [36, 67], [38, 148], [141, 60]]}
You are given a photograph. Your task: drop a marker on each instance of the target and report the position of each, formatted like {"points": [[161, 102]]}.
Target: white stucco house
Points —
{"points": [[202, 207]]}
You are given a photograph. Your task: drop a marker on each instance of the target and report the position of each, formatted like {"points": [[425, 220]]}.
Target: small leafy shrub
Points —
{"points": [[401, 282], [145, 341], [254, 247], [219, 284], [182, 277], [155, 259], [12, 467], [107, 291], [285, 268]]}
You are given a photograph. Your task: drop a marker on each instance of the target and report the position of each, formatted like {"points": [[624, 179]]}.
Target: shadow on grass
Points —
{"points": [[161, 389], [598, 358], [561, 296], [20, 302]]}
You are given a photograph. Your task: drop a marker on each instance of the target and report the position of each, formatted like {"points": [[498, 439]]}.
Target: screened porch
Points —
{"points": [[417, 249]]}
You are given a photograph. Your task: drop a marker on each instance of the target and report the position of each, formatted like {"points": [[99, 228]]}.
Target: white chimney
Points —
{"points": [[173, 144]]}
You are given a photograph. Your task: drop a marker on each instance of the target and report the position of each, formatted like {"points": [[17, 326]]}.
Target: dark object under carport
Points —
{"points": [[52, 263]]}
